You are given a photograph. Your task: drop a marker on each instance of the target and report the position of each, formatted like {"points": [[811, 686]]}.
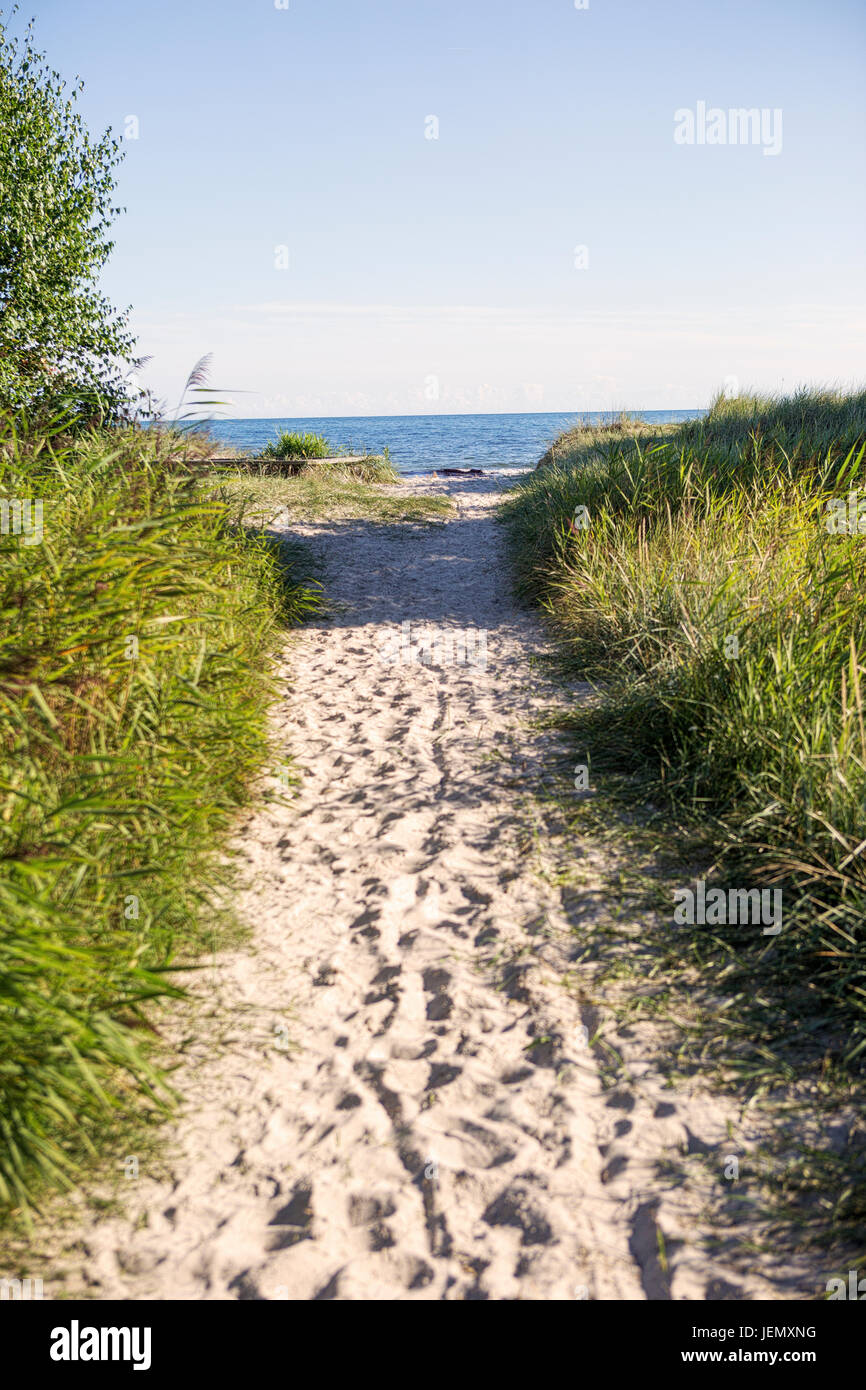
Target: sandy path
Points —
{"points": [[406, 1107]]}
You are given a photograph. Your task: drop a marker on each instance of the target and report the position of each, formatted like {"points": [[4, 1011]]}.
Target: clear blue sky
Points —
{"points": [[419, 266]]}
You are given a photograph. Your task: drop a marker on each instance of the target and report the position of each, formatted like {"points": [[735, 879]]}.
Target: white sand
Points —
{"points": [[406, 1107]]}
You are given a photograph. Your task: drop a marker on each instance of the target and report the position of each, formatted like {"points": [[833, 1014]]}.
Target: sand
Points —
{"points": [[401, 1103]]}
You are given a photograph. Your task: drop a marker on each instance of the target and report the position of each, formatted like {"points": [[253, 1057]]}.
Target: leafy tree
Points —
{"points": [[60, 339]]}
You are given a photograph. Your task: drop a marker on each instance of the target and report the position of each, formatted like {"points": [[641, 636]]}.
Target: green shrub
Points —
{"points": [[60, 339], [291, 445], [133, 701]]}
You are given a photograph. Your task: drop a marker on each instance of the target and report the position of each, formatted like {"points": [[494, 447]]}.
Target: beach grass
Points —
{"points": [[587, 438], [295, 454], [698, 578], [331, 493], [133, 716], [292, 444], [370, 468]]}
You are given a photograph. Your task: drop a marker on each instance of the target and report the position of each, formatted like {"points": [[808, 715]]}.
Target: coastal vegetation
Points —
{"points": [[337, 493], [707, 580], [60, 339], [370, 468], [139, 608], [133, 721], [290, 444], [586, 435], [292, 454]]}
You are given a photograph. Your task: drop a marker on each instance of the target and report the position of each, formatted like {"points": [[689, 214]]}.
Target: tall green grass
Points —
{"points": [[292, 444], [133, 701], [333, 471], [702, 588], [587, 437], [293, 453]]}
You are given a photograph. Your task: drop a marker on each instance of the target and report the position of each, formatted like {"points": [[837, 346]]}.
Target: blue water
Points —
{"points": [[423, 443]]}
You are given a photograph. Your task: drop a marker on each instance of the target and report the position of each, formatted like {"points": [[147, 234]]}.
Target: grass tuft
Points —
{"points": [[290, 444]]}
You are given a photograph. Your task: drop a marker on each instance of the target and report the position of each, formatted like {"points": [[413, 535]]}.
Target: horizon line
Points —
{"points": [[467, 414]]}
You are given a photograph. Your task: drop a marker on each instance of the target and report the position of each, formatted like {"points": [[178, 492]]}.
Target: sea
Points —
{"points": [[425, 443]]}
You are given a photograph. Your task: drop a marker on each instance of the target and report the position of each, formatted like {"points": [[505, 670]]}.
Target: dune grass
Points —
{"points": [[372, 468], [319, 493], [587, 438], [133, 702], [291, 444], [700, 579], [292, 454]]}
